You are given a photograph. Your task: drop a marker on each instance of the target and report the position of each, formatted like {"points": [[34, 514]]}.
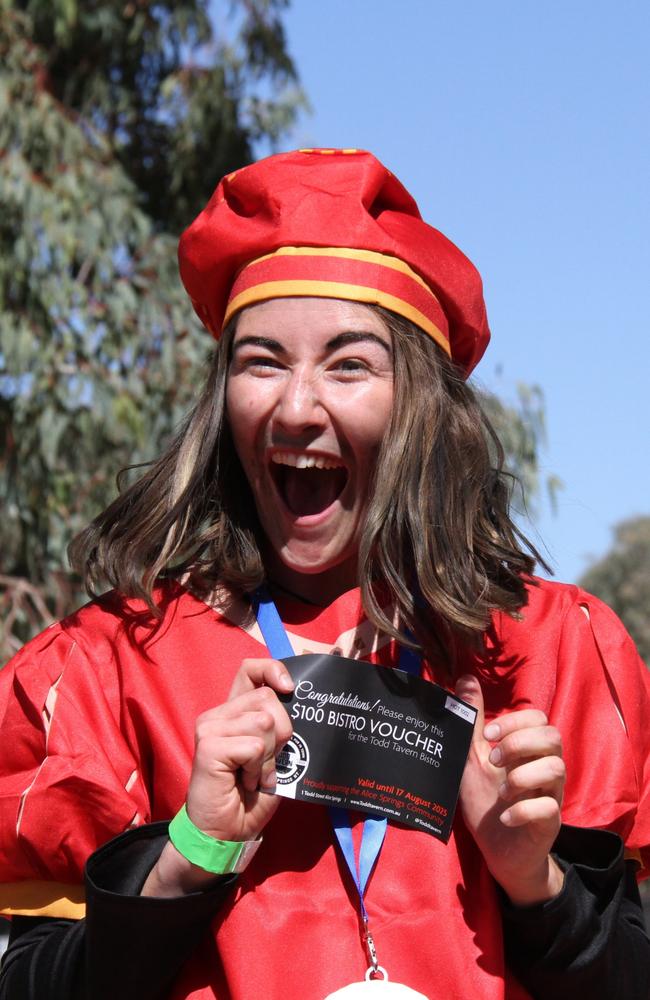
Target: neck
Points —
{"points": [[314, 588]]}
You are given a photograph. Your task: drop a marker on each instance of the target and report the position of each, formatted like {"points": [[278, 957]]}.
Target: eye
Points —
{"points": [[351, 365], [263, 362], [258, 363]]}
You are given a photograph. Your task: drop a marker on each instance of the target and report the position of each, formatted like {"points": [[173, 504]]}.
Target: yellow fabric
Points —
{"points": [[347, 253], [633, 855], [328, 152], [336, 290], [42, 899]]}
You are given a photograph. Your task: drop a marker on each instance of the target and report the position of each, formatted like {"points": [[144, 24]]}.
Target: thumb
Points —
{"points": [[469, 689]]}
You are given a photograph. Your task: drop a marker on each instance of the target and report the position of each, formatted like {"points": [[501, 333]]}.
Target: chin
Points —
{"points": [[311, 566], [338, 572]]}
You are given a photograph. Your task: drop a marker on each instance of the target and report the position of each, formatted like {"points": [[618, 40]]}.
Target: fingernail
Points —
{"points": [[506, 817], [284, 679], [503, 790], [270, 781], [492, 731], [496, 755]]}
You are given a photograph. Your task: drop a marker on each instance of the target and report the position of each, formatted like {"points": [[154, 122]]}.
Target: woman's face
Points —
{"points": [[309, 398]]}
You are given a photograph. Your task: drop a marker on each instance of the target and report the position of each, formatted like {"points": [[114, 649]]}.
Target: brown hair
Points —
{"points": [[438, 533]]}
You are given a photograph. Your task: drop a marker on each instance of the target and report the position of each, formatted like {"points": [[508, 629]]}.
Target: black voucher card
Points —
{"points": [[379, 740]]}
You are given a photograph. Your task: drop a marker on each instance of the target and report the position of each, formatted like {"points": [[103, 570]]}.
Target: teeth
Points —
{"points": [[304, 461]]}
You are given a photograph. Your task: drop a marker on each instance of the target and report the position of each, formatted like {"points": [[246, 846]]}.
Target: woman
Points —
{"points": [[337, 459]]}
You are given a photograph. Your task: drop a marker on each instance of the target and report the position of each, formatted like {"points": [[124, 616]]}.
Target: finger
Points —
{"points": [[254, 723], [258, 773], [253, 757], [273, 733], [259, 725], [257, 673], [526, 744], [468, 688], [542, 777], [213, 798], [505, 724], [230, 755], [543, 812], [259, 700]]}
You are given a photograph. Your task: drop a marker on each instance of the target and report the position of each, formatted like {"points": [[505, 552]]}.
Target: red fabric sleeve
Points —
{"points": [[602, 706], [69, 780]]}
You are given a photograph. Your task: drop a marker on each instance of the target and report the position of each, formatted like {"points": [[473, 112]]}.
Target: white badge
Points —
{"points": [[379, 989]]}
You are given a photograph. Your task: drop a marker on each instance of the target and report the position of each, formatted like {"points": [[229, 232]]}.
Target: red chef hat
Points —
{"points": [[333, 223]]}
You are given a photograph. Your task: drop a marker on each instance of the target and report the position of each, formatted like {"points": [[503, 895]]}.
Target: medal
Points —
{"points": [[381, 989]]}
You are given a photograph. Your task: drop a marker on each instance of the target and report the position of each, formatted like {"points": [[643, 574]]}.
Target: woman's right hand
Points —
{"points": [[234, 762], [234, 757]]}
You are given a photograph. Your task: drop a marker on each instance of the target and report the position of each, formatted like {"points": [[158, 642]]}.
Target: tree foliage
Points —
{"points": [[116, 121], [622, 579], [178, 105], [521, 428]]}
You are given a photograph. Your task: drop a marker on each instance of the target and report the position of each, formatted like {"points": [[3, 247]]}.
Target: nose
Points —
{"points": [[299, 406]]}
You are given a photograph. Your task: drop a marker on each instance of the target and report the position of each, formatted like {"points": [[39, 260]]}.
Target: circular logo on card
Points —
{"points": [[292, 761]]}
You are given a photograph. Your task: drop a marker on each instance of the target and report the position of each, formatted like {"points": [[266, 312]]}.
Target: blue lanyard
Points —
{"points": [[374, 829]]}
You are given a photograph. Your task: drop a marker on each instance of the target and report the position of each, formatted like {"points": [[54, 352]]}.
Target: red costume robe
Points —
{"points": [[97, 735]]}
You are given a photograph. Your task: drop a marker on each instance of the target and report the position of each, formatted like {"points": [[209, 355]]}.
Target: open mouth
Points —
{"points": [[308, 484]]}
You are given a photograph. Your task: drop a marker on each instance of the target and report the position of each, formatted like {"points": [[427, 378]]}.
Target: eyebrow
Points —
{"points": [[268, 342], [341, 340], [356, 337]]}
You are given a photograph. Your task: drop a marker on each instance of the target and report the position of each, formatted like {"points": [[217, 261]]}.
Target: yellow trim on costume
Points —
{"points": [[336, 290], [42, 899], [631, 854], [346, 253]]}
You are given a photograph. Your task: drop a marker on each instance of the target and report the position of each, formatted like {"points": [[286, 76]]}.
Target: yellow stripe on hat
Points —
{"points": [[330, 152], [347, 253], [42, 899], [336, 290]]}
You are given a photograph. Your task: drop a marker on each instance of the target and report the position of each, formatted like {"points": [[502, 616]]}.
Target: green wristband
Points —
{"points": [[221, 857]]}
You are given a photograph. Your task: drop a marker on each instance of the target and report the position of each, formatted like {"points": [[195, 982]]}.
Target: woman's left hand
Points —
{"points": [[511, 796]]}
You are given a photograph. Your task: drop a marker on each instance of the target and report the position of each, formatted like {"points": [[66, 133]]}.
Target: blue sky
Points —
{"points": [[522, 131]]}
